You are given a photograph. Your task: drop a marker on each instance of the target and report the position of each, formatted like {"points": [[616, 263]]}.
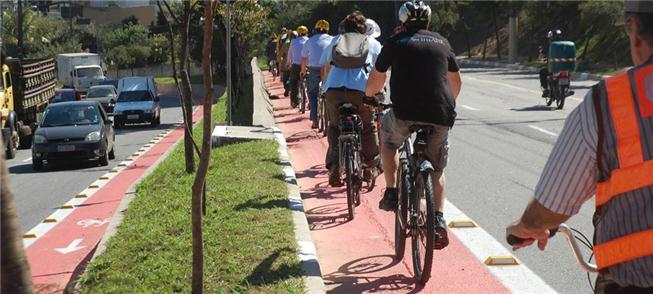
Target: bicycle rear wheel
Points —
{"points": [[423, 227], [401, 213], [349, 179]]}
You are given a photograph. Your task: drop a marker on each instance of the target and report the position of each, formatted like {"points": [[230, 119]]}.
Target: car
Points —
{"points": [[79, 130], [64, 95], [105, 94], [137, 102], [112, 82]]}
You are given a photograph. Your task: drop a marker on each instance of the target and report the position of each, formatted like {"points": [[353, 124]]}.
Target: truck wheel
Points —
{"points": [[37, 164]]}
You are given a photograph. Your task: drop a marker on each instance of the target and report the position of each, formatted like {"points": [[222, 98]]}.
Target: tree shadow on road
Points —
{"points": [[267, 273]]}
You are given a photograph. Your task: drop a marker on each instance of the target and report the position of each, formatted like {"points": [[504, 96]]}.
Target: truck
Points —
{"points": [[79, 70], [27, 87]]}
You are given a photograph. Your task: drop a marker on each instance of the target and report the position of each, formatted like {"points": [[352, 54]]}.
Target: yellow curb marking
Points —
{"points": [[50, 220], [81, 195], [462, 224], [29, 235], [67, 206], [501, 260]]}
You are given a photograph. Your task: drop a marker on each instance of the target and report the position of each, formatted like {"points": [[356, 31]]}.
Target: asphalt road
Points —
{"points": [[498, 148], [38, 194]]}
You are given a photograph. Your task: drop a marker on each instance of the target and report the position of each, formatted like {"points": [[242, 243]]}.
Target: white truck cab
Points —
{"points": [[79, 70]]}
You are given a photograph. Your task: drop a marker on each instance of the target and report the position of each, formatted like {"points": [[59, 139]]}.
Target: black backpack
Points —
{"points": [[350, 51]]}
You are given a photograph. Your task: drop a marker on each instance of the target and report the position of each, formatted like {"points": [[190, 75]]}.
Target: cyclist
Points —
{"points": [[282, 58], [295, 59], [425, 82], [311, 54], [271, 52], [345, 82], [551, 36], [606, 148]]}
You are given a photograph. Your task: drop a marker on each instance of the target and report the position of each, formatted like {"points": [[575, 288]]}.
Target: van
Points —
{"points": [[137, 102]]}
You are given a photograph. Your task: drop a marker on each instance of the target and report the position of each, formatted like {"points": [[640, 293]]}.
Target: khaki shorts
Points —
{"points": [[394, 132]]}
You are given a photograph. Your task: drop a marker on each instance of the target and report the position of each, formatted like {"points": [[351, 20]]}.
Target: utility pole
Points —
{"points": [[512, 39], [70, 14], [19, 27], [229, 92]]}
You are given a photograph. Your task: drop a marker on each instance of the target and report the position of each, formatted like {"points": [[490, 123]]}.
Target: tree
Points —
{"points": [[181, 21], [15, 276]]}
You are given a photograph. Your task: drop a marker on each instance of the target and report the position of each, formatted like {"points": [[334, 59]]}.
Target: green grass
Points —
{"points": [[248, 232], [262, 62], [164, 80]]}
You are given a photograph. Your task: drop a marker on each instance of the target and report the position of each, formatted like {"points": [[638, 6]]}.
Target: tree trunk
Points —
{"points": [[588, 37], [186, 92], [15, 276], [198, 189], [485, 36], [496, 32]]}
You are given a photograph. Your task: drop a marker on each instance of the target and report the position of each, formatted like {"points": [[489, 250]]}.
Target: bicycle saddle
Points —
{"points": [[428, 129], [347, 108]]}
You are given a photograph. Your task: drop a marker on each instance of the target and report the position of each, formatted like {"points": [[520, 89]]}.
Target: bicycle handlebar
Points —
{"points": [[565, 230]]}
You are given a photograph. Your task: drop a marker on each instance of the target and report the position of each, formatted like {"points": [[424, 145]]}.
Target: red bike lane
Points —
{"points": [[358, 256], [62, 252]]}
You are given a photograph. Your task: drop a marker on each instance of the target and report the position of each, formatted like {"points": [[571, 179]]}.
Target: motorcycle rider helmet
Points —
{"points": [[322, 25], [414, 13]]}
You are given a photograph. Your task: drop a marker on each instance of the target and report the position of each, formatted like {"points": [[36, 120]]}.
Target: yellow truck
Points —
{"points": [[27, 88]]}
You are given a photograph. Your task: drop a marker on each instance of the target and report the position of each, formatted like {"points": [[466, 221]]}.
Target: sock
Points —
{"points": [[439, 213]]}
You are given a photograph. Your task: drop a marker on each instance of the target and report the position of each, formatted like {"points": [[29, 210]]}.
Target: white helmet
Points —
{"points": [[414, 11], [373, 29]]}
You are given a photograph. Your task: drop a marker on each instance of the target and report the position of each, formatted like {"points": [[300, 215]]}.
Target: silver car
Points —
{"points": [[105, 94]]}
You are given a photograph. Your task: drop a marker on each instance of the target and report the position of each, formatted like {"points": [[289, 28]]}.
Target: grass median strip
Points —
{"points": [[248, 231]]}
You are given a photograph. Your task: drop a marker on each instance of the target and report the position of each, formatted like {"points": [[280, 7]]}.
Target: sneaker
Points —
{"points": [[285, 93], [390, 200], [441, 237], [545, 93], [314, 125], [334, 179]]}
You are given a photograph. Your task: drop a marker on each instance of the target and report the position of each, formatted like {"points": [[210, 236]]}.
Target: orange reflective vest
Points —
{"points": [[628, 103]]}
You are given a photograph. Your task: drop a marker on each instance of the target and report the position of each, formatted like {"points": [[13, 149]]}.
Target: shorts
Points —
{"points": [[394, 132]]}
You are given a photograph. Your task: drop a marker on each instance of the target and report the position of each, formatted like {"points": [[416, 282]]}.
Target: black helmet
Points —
{"points": [[414, 12]]}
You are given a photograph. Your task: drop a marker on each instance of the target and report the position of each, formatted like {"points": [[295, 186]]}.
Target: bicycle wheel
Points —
{"points": [[402, 211], [560, 103], [422, 227], [349, 179]]}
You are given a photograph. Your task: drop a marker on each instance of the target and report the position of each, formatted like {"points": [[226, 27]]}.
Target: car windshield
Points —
{"points": [[70, 115], [89, 72], [134, 96], [99, 92], [64, 96]]}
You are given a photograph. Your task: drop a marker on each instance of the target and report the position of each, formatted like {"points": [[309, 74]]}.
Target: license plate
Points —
{"points": [[564, 82], [132, 116], [65, 148]]}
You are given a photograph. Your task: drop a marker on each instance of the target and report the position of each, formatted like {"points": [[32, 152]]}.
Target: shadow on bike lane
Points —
{"points": [[358, 256]]}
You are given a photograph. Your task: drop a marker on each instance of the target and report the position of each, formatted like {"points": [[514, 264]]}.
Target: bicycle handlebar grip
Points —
{"points": [[514, 240]]}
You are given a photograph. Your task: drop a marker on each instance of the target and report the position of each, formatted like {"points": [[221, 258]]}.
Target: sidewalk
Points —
{"points": [[358, 256]]}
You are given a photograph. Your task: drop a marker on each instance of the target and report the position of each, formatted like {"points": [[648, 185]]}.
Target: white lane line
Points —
{"points": [[543, 130], [469, 107], [514, 87], [26, 160], [517, 278]]}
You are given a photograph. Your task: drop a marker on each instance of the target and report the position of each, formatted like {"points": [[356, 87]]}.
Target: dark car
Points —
{"points": [[112, 82], [105, 94], [73, 131], [64, 95]]}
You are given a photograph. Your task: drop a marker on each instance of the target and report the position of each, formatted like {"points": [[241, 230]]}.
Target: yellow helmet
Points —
{"points": [[322, 25], [302, 30]]}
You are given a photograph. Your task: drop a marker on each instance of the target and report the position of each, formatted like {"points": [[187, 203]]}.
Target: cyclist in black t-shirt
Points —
{"points": [[424, 84]]}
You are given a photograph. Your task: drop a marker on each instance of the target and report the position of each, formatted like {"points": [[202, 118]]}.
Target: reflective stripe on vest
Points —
{"points": [[633, 172]]}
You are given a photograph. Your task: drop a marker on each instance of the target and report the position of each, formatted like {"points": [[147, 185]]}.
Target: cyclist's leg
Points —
{"points": [[313, 91], [333, 98], [294, 83], [369, 139], [393, 134], [438, 154]]}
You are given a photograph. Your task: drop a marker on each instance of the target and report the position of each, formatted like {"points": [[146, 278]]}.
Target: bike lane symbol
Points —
{"points": [[93, 222]]}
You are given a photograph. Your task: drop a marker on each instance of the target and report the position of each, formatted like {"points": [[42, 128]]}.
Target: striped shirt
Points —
{"points": [[571, 172]]}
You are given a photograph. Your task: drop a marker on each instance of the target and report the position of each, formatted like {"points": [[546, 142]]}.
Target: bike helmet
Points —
{"points": [[302, 30], [322, 25], [373, 29], [414, 12]]}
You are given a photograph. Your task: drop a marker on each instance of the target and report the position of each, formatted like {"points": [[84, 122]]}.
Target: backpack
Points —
{"points": [[350, 51]]}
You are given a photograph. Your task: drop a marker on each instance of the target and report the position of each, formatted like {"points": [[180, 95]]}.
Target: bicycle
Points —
{"points": [[415, 213], [303, 93], [349, 143], [323, 122]]}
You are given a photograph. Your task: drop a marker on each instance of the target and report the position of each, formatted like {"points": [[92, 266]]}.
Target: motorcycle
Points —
{"points": [[559, 83]]}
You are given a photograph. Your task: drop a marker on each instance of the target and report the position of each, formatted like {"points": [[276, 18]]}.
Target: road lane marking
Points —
{"points": [[469, 107], [515, 87], [72, 247], [543, 130], [26, 160]]}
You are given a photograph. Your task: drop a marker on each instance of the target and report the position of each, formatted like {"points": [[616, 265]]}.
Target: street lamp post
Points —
{"points": [[19, 27], [229, 92]]}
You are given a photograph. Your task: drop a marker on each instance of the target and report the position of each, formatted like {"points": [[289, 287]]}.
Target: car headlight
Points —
{"points": [[38, 139], [93, 137]]}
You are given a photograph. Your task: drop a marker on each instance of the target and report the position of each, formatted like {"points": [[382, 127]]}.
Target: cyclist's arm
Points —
{"points": [[375, 83], [534, 224], [455, 82], [325, 71]]}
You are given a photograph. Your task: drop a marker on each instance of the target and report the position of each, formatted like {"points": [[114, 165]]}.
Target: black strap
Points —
{"points": [[596, 99]]}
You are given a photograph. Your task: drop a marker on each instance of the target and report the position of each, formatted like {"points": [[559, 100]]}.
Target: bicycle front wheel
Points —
{"points": [[423, 227], [401, 213], [349, 179]]}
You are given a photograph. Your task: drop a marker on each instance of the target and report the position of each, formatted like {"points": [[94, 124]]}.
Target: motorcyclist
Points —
{"points": [[551, 36]]}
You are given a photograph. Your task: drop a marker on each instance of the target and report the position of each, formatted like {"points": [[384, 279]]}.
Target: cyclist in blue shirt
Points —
{"points": [[311, 54], [295, 59], [348, 85]]}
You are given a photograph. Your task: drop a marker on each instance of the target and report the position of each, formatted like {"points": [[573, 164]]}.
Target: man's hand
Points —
{"points": [[519, 229]]}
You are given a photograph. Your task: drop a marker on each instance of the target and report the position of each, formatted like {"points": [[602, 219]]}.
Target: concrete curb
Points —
{"points": [[579, 76], [307, 252]]}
